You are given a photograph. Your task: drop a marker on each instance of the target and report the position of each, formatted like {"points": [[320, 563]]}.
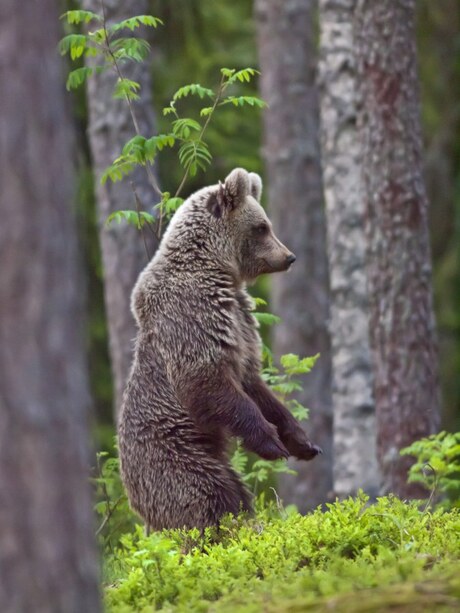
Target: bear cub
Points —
{"points": [[195, 380]]}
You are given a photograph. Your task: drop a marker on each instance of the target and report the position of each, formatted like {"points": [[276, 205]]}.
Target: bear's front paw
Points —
{"points": [[272, 449], [307, 451], [268, 445], [299, 445]]}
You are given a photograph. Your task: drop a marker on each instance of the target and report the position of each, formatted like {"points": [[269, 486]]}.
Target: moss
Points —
{"points": [[353, 557]]}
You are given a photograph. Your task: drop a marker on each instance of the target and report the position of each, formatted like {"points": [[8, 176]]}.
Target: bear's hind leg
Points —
{"points": [[217, 493]]}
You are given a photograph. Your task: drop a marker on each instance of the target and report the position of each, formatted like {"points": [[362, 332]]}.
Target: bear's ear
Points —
{"points": [[256, 186], [230, 195], [237, 186]]}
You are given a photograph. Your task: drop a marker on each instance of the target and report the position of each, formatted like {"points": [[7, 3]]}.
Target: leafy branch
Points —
{"points": [[217, 99], [115, 49], [437, 465]]}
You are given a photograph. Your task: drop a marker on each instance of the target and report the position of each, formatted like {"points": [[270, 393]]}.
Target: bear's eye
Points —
{"points": [[261, 229]]}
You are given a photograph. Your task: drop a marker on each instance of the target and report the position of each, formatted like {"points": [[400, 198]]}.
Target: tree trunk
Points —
{"points": [[291, 150], [47, 551], [402, 323], [123, 251], [355, 459]]}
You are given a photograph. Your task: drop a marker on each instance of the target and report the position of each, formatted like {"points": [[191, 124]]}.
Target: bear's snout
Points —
{"points": [[291, 258]]}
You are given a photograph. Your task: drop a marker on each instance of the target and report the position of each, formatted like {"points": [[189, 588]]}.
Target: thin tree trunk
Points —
{"points": [[47, 551], [355, 459], [399, 265], [291, 150], [123, 251]]}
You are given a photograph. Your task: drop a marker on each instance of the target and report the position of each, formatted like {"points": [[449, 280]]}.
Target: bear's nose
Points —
{"points": [[291, 259]]}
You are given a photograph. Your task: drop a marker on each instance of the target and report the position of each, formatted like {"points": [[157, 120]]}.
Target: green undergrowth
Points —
{"points": [[355, 556]]}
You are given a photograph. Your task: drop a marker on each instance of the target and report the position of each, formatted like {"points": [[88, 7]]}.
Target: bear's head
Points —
{"points": [[227, 222]]}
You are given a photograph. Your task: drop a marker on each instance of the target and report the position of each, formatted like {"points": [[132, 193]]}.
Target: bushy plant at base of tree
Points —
{"points": [[437, 466], [367, 557]]}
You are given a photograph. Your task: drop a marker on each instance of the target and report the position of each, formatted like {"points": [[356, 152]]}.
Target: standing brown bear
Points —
{"points": [[195, 381]]}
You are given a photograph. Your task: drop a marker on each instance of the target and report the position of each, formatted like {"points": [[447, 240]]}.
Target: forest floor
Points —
{"points": [[355, 557]]}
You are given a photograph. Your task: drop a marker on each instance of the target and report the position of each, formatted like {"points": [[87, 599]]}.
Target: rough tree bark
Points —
{"points": [[402, 323], [355, 459], [291, 150], [47, 551], [123, 251]]}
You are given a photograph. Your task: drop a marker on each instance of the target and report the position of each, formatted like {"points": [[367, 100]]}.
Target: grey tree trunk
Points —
{"points": [[291, 150], [355, 459], [123, 251], [48, 559], [402, 326]]}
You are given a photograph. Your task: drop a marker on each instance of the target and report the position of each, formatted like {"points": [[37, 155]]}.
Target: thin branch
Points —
{"points": [[138, 209], [117, 68], [148, 165], [109, 515], [279, 504], [217, 99], [433, 489]]}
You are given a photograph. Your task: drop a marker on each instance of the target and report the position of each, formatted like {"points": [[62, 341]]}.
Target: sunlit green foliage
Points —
{"points": [[112, 508], [280, 558], [193, 153], [198, 39], [437, 466], [135, 218]]}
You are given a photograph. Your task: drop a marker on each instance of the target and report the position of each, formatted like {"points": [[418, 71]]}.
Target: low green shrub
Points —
{"points": [[281, 560], [437, 466]]}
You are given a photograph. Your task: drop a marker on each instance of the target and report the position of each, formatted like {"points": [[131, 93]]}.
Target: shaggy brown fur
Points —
{"points": [[195, 379]]}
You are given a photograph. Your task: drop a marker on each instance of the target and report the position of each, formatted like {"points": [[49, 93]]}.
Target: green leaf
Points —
{"points": [[244, 75], [77, 77], [193, 155], [134, 150], [134, 218], [141, 150], [182, 127], [125, 88], [168, 206], [293, 365], [135, 22], [77, 17], [121, 167], [97, 36], [267, 318], [157, 143], [135, 49], [300, 412], [101, 507], [286, 388], [207, 110], [227, 72], [193, 89], [75, 44], [243, 100], [172, 204], [239, 460], [259, 301], [170, 109]]}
